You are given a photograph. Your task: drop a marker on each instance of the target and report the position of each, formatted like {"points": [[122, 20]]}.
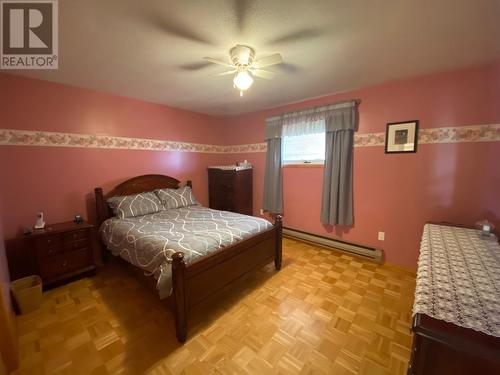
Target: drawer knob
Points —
{"points": [[75, 235], [49, 240], [65, 263], [51, 251]]}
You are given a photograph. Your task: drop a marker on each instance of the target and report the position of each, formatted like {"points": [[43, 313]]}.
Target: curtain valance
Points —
{"points": [[332, 117], [274, 127], [341, 119]]}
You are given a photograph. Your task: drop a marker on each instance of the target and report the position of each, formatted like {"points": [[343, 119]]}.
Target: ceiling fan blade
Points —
{"points": [[241, 10], [298, 36], [263, 73], [225, 73], [178, 29], [220, 62], [288, 68], [195, 66], [268, 61]]}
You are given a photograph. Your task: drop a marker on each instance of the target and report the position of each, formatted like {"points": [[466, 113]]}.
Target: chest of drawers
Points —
{"points": [[231, 190]]}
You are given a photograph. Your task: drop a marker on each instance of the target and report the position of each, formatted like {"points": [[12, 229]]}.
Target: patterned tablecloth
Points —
{"points": [[458, 278]]}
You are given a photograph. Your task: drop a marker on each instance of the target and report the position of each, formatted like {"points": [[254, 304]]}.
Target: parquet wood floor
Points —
{"points": [[323, 313]]}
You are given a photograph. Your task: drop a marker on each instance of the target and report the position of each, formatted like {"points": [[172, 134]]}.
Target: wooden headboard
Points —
{"points": [[135, 185]]}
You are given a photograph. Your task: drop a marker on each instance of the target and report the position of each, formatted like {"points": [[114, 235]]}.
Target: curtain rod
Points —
{"points": [[321, 108]]}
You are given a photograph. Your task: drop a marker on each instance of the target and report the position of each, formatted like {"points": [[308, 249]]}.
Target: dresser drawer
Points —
{"points": [[61, 264], [76, 245], [222, 202], [75, 235], [48, 246], [217, 175], [222, 197], [223, 193], [222, 185]]}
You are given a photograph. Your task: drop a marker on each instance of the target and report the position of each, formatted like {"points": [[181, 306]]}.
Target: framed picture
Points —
{"points": [[401, 137]]}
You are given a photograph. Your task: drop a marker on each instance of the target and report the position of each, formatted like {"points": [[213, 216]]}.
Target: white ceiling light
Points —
{"points": [[242, 81], [244, 64]]}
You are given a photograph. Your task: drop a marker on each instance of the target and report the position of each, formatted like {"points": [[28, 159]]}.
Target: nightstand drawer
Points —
{"points": [[61, 264], [75, 236], [48, 246], [76, 245]]}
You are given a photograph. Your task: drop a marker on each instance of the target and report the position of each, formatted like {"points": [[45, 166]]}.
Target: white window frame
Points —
{"points": [[303, 161]]}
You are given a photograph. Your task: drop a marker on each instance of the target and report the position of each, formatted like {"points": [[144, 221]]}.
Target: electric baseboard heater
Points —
{"points": [[346, 247]]}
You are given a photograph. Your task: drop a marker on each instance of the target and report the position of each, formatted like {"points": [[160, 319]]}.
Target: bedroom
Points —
{"points": [[341, 130]]}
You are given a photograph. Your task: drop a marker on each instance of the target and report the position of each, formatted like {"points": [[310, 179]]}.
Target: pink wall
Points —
{"points": [[393, 193], [398, 193], [60, 181], [33, 104]]}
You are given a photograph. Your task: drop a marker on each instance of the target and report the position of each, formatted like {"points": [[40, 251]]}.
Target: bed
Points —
{"points": [[192, 252]]}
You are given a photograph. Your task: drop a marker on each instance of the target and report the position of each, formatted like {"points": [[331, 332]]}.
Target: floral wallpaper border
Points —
{"points": [[57, 139], [474, 133]]}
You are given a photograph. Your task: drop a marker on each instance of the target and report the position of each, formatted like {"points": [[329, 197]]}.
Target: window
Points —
{"points": [[308, 148]]}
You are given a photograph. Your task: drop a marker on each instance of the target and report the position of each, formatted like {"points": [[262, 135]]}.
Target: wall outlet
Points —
{"points": [[262, 211], [381, 236]]}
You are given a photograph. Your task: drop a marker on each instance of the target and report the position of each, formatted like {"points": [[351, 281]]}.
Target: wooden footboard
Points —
{"points": [[196, 282]]}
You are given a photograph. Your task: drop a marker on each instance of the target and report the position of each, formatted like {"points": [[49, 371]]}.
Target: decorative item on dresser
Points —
{"points": [[56, 253], [456, 312], [230, 189]]}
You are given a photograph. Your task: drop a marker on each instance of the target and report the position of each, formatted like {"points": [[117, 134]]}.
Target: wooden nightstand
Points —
{"points": [[58, 252]]}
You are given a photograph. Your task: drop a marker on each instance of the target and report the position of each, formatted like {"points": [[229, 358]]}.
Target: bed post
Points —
{"points": [[101, 216], [178, 286], [279, 232], [189, 183], [99, 202]]}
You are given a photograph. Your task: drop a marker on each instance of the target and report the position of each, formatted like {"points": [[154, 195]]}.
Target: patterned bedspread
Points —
{"points": [[458, 278], [149, 241]]}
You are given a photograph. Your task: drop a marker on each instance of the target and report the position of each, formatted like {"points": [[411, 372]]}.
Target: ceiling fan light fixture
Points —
{"points": [[245, 66], [243, 80]]}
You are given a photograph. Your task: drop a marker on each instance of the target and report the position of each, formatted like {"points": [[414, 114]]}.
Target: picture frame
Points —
{"points": [[401, 137]]}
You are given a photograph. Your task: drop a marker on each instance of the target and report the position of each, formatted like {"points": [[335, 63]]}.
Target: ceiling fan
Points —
{"points": [[244, 66]]}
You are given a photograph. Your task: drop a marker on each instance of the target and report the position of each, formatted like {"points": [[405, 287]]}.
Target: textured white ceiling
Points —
{"points": [[153, 49]]}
